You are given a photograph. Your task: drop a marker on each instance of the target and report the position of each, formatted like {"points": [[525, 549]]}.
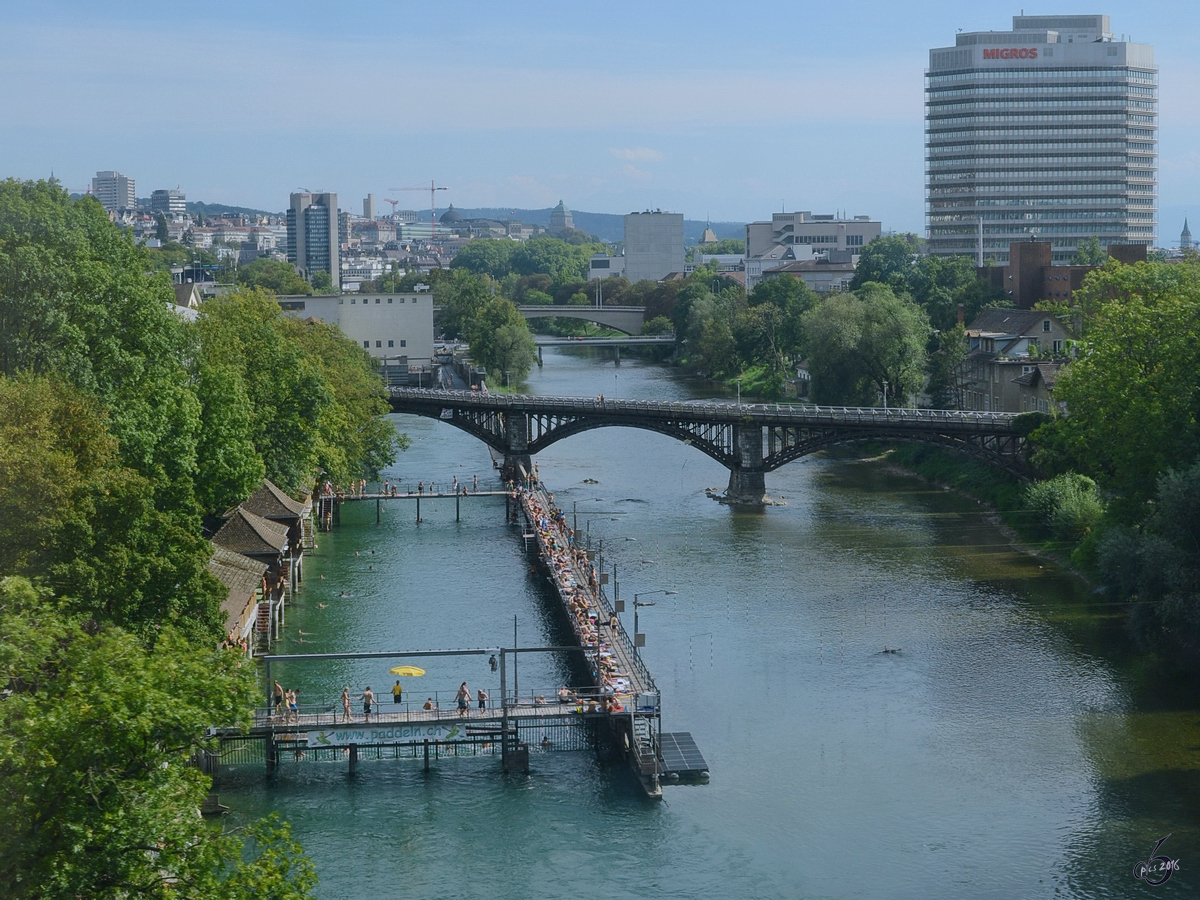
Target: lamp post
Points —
{"points": [[885, 385], [739, 384], [637, 603]]}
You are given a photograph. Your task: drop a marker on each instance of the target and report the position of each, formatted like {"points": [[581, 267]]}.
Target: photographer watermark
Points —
{"points": [[1157, 869]]}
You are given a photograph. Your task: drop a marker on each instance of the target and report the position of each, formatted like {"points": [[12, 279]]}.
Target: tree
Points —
{"points": [[322, 282], [461, 295], [501, 341], [272, 275], [96, 794], [160, 227], [726, 246], [886, 260], [862, 343], [1090, 253], [486, 256], [1132, 399]]}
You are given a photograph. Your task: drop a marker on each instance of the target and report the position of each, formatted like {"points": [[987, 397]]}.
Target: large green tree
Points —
{"points": [[97, 795], [501, 341], [1133, 398], [272, 275], [486, 256], [866, 342]]}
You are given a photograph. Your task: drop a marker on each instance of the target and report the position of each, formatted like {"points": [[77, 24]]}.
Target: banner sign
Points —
{"points": [[387, 734]]}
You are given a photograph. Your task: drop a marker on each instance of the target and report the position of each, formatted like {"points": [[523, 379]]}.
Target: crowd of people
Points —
{"points": [[576, 580]]}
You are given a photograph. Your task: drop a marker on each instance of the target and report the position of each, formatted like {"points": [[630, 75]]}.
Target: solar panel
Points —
{"points": [[680, 754]]}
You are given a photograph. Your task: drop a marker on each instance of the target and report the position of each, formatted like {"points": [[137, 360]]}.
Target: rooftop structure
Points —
{"points": [[114, 191]]}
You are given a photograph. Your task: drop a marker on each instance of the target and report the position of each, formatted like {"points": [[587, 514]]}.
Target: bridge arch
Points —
{"points": [[625, 319]]}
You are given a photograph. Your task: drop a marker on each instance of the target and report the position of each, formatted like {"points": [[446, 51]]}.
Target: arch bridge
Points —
{"points": [[749, 439], [625, 319]]}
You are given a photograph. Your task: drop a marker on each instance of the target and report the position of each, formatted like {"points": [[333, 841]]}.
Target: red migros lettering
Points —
{"points": [[1010, 53]]}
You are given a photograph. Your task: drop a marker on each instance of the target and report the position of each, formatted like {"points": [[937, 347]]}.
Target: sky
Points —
{"points": [[727, 111]]}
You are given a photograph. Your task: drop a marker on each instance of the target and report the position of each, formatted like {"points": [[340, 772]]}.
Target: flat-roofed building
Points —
{"points": [[653, 245], [1049, 130], [114, 191], [313, 239], [821, 232]]}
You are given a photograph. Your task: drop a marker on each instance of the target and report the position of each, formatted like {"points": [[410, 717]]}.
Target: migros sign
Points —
{"points": [[1010, 53]]}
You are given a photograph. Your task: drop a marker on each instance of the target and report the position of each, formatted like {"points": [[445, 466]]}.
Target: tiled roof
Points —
{"points": [[241, 575], [271, 503], [244, 532], [1006, 321]]}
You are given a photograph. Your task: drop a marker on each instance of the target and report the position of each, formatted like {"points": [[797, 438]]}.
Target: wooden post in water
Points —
{"points": [[418, 507], [353, 758], [377, 502], [426, 754], [457, 497]]}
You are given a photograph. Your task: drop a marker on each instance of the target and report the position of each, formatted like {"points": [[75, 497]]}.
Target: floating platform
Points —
{"points": [[680, 755]]}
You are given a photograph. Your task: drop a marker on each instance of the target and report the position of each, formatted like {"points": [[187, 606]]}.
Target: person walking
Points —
{"points": [[367, 698], [483, 698], [397, 691], [464, 699]]}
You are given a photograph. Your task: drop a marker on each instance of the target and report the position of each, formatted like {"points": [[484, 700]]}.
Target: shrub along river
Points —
{"points": [[1013, 746]]}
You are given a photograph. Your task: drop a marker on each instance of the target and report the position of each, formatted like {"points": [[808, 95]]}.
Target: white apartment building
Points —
{"points": [[114, 191], [1047, 131], [394, 328], [169, 203]]}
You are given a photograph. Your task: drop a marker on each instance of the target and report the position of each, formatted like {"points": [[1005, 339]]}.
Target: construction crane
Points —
{"points": [[433, 188], [394, 203]]}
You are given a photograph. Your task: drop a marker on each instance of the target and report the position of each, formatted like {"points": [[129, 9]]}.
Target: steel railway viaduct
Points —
{"points": [[749, 439]]}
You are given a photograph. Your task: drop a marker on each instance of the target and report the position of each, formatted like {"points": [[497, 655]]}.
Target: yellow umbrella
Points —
{"points": [[406, 670]]}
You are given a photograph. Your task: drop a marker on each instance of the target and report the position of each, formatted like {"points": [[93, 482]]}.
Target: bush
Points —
{"points": [[1066, 507]]}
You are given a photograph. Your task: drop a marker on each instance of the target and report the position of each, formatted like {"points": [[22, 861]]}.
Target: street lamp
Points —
{"points": [[638, 637], [885, 384], [739, 384]]}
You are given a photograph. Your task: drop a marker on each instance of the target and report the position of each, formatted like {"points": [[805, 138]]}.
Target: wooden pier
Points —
{"points": [[329, 506]]}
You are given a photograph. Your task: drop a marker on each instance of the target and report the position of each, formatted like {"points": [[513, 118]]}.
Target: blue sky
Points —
{"points": [[728, 111]]}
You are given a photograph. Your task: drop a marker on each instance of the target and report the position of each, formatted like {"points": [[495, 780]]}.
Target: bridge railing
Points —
{"points": [[776, 412]]}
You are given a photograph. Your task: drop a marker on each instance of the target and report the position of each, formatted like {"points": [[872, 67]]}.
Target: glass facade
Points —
{"points": [[1047, 132]]}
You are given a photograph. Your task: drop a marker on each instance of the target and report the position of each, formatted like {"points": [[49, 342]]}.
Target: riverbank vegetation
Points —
{"points": [[121, 427]]}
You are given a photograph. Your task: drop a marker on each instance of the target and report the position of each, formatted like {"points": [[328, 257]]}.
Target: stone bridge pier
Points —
{"points": [[516, 448], [747, 477]]}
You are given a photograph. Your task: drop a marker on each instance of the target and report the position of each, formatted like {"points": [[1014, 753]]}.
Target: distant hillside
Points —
{"points": [[608, 227], [220, 209]]}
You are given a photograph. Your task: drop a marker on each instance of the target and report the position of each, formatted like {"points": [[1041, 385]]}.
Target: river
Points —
{"points": [[1012, 747]]}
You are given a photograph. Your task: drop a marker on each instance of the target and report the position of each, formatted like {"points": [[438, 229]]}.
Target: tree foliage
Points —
{"points": [[96, 794], [272, 275], [861, 341], [1133, 399], [501, 341]]}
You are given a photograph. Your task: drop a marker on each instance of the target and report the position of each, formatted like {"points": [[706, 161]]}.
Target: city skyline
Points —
{"points": [[667, 108]]}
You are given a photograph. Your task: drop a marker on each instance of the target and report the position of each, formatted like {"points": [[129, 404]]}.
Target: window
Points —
{"points": [[379, 343], [389, 299], [377, 300], [1056, 346], [366, 343], [1045, 324], [391, 343], [404, 343]]}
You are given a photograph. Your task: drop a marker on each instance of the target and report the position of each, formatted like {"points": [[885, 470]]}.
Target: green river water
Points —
{"points": [[1014, 747]]}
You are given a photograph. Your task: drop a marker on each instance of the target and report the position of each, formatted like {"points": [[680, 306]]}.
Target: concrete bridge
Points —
{"points": [[749, 439], [626, 319], [657, 340]]}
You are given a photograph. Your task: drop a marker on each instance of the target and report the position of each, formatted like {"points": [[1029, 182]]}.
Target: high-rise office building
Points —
{"points": [[169, 203], [653, 245], [312, 234], [1046, 132], [114, 191]]}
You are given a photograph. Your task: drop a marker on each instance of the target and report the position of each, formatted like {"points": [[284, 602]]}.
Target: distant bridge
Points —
{"points": [[626, 319], [749, 439], [657, 340]]}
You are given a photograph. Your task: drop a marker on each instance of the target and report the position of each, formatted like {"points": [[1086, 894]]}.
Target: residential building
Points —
{"points": [[1004, 349], [821, 232], [394, 328], [1047, 130], [169, 203], [653, 245], [114, 191], [827, 274], [778, 255], [312, 234]]}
